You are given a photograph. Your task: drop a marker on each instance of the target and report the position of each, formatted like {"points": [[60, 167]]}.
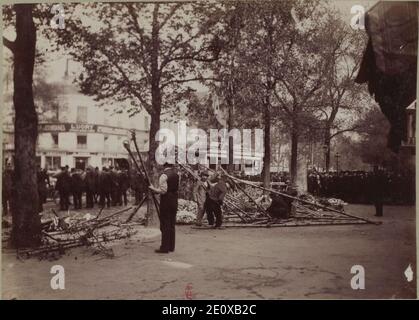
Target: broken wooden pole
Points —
{"points": [[245, 193], [302, 200]]}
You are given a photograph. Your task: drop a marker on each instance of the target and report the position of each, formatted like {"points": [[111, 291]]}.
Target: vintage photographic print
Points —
{"points": [[209, 150]]}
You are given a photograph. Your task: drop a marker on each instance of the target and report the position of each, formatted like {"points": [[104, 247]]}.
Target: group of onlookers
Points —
{"points": [[361, 186], [106, 187], [80, 188]]}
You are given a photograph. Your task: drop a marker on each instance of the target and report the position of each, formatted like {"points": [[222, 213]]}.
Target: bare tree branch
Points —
{"points": [[344, 130], [147, 105], [165, 84], [9, 44], [170, 14]]}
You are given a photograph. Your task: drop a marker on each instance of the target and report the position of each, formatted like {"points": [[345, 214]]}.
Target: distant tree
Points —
{"points": [[142, 53], [343, 100], [201, 113], [373, 129], [300, 76]]}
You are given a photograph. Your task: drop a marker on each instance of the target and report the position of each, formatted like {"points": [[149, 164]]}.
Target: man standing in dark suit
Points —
{"points": [[123, 180], [168, 190], [63, 186], [7, 186], [113, 174], [105, 186], [43, 181], [90, 183], [378, 191], [77, 185], [138, 186]]}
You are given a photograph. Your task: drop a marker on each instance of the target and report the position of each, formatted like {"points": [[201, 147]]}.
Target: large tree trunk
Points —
{"points": [[230, 167], [327, 150], [151, 218], [266, 172], [26, 220], [156, 101], [294, 153]]}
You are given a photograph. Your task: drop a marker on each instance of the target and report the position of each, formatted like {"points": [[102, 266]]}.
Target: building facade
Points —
{"points": [[78, 132]]}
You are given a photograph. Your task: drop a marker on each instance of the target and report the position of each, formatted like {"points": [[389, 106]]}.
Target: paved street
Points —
{"points": [[260, 263]]}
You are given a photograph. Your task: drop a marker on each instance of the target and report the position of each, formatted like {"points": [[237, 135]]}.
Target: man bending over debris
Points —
{"points": [[281, 206], [278, 208], [215, 201]]}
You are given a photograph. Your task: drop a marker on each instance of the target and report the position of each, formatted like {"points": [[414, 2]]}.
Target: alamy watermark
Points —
{"points": [[193, 146]]}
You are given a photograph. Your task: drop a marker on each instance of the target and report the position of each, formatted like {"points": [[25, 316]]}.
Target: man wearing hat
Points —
{"points": [[215, 199], [90, 182], [168, 190], [63, 186], [200, 196]]}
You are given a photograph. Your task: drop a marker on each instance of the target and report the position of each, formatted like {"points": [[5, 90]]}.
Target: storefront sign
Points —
{"points": [[77, 127], [112, 130], [81, 127], [50, 127]]}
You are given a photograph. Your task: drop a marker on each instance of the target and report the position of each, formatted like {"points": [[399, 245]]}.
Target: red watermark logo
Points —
{"points": [[188, 291]]}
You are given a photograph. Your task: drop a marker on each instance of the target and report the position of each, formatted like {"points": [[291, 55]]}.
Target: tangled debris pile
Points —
{"points": [[246, 206], [186, 213], [62, 233]]}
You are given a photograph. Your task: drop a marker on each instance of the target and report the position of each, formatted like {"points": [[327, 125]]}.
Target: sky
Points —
{"points": [[55, 64]]}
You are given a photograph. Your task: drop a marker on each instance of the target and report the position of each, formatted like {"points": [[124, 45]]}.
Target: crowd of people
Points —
{"points": [[361, 186], [107, 187]]}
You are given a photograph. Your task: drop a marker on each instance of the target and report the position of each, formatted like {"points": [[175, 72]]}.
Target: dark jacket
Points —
{"points": [[279, 207], [90, 181], [105, 182], [114, 180], [123, 181], [64, 182], [77, 182], [218, 191], [172, 181], [137, 182], [42, 180]]}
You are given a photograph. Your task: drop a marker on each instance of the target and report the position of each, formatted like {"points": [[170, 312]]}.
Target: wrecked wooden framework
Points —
{"points": [[241, 209], [62, 233]]}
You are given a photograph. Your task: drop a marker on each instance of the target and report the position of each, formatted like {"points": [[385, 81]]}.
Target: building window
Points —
{"points": [[81, 142], [106, 141], [146, 122], [81, 162], [53, 163], [54, 140], [81, 114], [249, 164], [107, 162]]}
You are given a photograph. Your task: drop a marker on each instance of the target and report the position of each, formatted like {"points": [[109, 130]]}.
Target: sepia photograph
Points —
{"points": [[209, 150]]}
